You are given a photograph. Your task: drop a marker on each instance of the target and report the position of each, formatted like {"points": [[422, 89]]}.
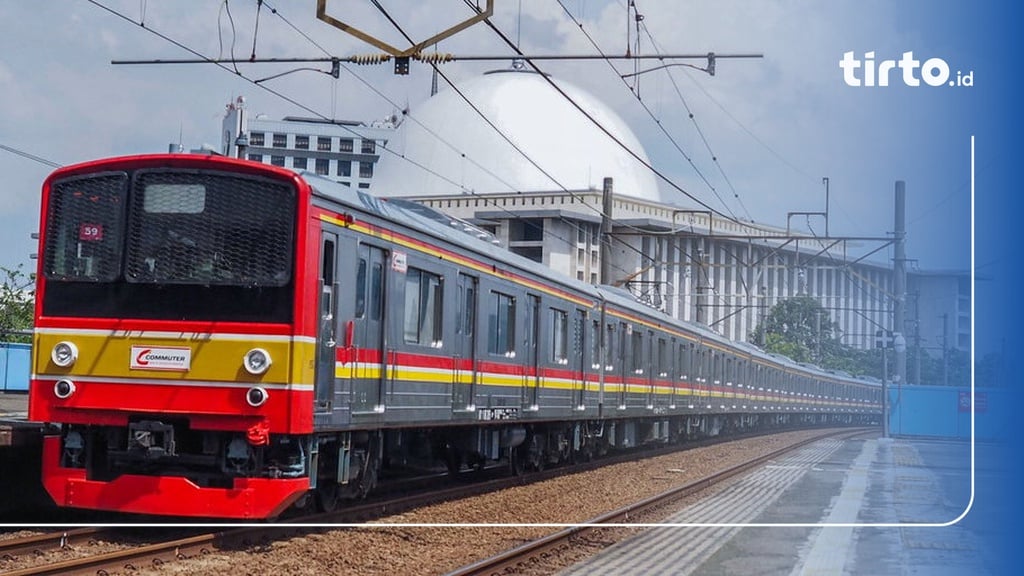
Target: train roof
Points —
{"points": [[463, 234]]}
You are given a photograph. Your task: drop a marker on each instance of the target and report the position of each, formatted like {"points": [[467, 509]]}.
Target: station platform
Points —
{"points": [[876, 506], [14, 429]]}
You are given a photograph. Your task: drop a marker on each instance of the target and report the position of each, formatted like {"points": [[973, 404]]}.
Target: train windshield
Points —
{"points": [[195, 244]]}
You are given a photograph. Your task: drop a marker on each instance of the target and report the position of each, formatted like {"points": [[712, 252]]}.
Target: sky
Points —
{"points": [[763, 133]]}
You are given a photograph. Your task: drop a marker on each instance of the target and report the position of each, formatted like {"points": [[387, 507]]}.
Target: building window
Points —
{"points": [[364, 185], [535, 253], [369, 147], [501, 323], [256, 157], [323, 143], [526, 230], [302, 142], [256, 139], [277, 160], [344, 168], [323, 166], [299, 163], [366, 169], [423, 308], [280, 140], [345, 145]]}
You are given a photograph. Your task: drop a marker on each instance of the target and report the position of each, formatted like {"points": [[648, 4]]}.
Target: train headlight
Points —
{"points": [[64, 354], [257, 361], [256, 396], [63, 388]]}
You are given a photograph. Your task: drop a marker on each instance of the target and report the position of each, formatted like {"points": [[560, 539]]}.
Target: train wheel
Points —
{"points": [[328, 496], [516, 461]]}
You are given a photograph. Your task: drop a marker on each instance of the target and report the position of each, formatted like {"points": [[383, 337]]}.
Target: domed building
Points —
{"points": [[533, 140]]}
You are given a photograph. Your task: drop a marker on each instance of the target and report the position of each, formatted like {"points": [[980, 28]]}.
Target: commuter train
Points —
{"points": [[225, 339]]}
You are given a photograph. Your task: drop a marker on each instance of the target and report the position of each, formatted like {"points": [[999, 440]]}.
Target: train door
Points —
{"points": [[326, 338], [464, 375], [368, 333], [531, 376]]}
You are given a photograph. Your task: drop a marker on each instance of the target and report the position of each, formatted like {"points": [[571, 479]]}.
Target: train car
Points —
{"points": [[222, 338]]}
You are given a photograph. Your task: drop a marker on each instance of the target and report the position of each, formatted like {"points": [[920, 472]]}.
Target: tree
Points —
{"points": [[801, 329], [17, 297], [798, 328]]}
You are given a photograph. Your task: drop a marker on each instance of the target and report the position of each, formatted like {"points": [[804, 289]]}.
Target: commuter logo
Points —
{"points": [[161, 358], [912, 72]]}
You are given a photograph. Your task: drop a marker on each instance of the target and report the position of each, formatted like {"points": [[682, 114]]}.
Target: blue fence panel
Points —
{"points": [[945, 412], [15, 362]]}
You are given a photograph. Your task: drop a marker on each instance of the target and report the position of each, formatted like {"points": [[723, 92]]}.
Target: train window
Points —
{"points": [[683, 360], [85, 227], [595, 344], [609, 346], [559, 336], [501, 324], [376, 290], [361, 288], [579, 336], [327, 263], [423, 308], [637, 350], [465, 306], [662, 358]]}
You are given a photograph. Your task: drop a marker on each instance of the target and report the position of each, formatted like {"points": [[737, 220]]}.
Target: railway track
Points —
{"points": [[169, 545], [527, 556]]}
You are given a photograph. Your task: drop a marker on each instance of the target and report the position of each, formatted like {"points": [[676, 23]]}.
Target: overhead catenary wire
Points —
{"points": [[206, 59], [650, 113], [646, 164]]}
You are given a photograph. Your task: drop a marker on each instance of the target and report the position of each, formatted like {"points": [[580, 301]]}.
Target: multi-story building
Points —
{"points": [[343, 150]]}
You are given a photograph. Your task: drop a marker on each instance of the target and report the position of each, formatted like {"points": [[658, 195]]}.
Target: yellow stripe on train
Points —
{"points": [[170, 356]]}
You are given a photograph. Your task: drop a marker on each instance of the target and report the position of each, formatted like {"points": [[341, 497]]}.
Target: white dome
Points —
{"points": [[446, 136]]}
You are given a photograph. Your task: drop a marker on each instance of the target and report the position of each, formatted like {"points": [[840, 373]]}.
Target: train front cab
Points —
{"points": [[169, 338]]}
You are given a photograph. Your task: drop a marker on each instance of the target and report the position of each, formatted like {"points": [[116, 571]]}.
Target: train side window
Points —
{"points": [[327, 278], [662, 358], [609, 347], [376, 290], [361, 288], [465, 306], [683, 360], [595, 344], [424, 311], [638, 352], [501, 335], [559, 336]]}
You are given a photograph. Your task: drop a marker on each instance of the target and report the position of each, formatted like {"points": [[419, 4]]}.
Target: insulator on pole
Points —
{"points": [[365, 59], [434, 57]]}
